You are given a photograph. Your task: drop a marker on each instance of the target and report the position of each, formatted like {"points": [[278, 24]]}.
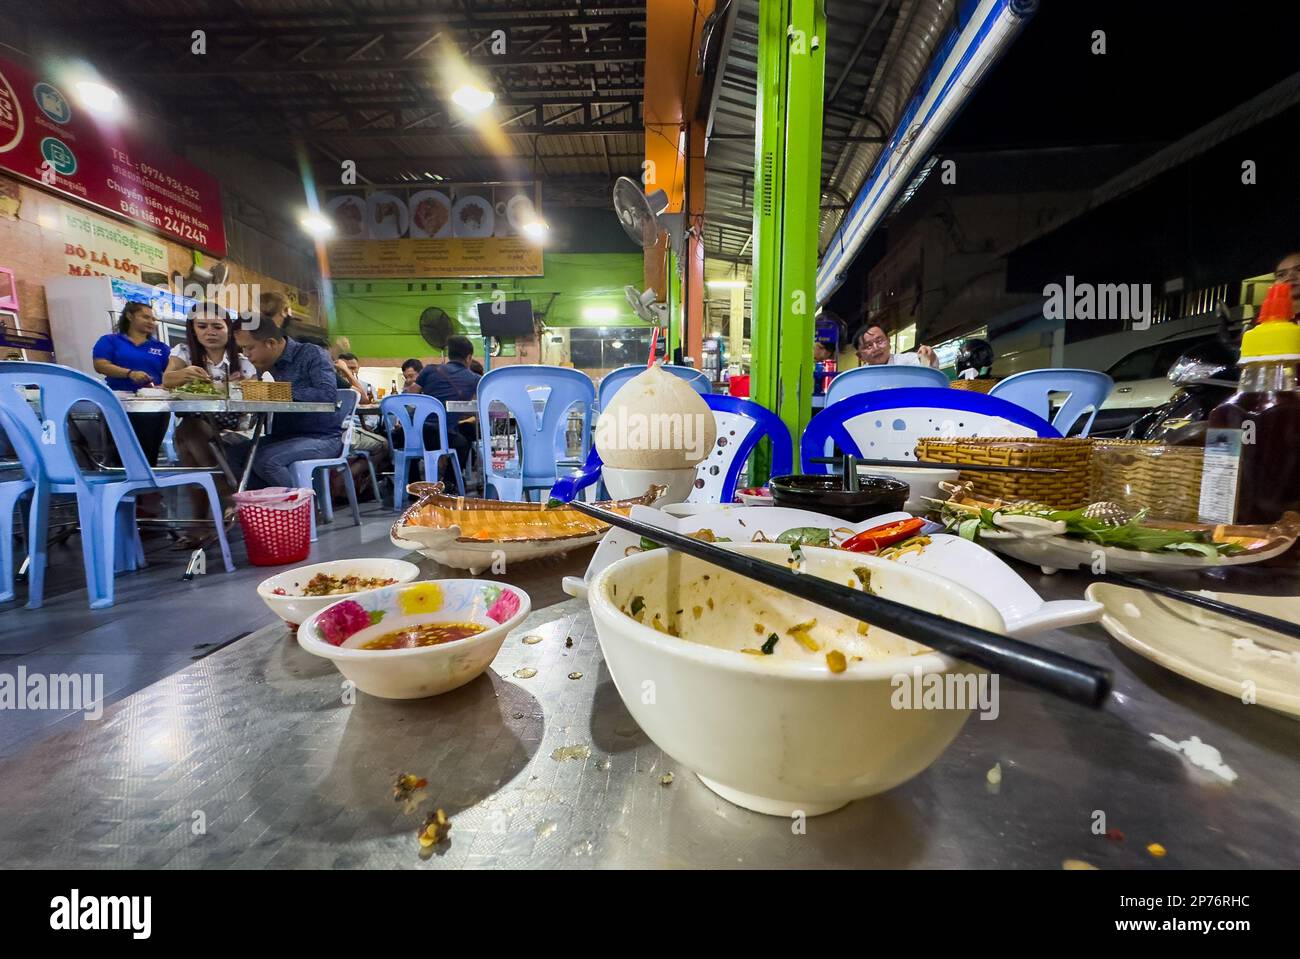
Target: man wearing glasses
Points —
{"points": [[1288, 271], [873, 350]]}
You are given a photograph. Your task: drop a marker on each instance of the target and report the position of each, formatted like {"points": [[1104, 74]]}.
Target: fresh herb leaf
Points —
{"points": [[806, 536]]}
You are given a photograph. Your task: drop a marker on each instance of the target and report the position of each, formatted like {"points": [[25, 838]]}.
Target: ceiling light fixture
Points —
{"points": [[99, 99], [473, 99], [316, 224]]}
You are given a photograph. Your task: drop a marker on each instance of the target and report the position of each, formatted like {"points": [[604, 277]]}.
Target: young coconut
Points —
{"points": [[655, 422]]}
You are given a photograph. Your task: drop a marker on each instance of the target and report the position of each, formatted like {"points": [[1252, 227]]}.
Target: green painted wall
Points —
{"points": [[381, 317]]}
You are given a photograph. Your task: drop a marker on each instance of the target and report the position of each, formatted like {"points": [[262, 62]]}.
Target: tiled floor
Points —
{"points": [[160, 623]]}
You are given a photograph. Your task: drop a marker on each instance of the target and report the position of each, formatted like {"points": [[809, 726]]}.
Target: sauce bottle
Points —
{"points": [[1252, 441]]}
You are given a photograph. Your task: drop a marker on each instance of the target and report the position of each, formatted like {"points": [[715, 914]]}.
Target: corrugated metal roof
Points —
{"points": [[356, 79], [856, 33]]}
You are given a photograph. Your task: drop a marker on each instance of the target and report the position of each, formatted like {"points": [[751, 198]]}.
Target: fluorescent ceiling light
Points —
{"points": [[473, 99], [727, 284], [317, 225], [101, 100], [599, 312]]}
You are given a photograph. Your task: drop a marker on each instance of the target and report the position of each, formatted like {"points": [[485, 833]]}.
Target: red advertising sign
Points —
{"points": [[47, 138]]}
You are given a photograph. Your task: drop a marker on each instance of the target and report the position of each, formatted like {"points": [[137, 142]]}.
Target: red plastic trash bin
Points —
{"points": [[276, 524]]}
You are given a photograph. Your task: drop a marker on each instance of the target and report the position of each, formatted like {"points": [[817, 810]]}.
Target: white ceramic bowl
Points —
{"points": [[425, 670], [922, 482], [625, 484], [293, 607], [778, 734]]}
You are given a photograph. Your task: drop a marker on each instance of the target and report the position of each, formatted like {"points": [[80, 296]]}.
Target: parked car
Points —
{"points": [[1142, 383]]}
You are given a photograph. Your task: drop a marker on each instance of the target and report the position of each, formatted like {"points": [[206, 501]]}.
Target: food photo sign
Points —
{"points": [[452, 230], [48, 139]]}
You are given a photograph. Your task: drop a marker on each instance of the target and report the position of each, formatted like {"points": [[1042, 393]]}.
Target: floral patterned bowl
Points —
{"points": [[339, 632]]}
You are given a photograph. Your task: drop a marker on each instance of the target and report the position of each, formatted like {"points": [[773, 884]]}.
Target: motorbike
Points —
{"points": [[1206, 375]]}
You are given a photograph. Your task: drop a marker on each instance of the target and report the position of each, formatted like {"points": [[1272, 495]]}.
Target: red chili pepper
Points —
{"points": [[878, 537]]}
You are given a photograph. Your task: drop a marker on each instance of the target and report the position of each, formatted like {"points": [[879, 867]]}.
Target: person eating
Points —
{"points": [[208, 355], [872, 345], [293, 436], [410, 370]]}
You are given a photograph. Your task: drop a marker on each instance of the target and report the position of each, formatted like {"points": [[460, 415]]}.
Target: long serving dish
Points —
{"points": [[474, 534]]}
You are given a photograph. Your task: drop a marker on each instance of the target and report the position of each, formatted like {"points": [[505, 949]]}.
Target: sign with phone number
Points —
{"points": [[48, 139]]}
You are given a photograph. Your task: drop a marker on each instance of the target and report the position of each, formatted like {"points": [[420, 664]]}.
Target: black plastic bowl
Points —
{"points": [[826, 494]]}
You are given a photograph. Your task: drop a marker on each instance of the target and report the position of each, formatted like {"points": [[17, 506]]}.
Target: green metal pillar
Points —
{"points": [[787, 195]]}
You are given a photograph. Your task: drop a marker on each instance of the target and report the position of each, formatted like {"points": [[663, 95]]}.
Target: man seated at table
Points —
{"points": [[293, 436], [453, 381], [873, 349]]}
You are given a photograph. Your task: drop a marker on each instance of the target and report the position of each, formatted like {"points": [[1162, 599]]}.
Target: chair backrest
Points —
{"points": [[348, 402], [886, 424], [741, 425], [611, 382], [865, 379], [1033, 390], [409, 411], [59, 389], [510, 386]]}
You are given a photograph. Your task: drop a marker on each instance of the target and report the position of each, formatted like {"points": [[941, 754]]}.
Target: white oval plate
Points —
{"points": [[387, 216], [1213, 650], [417, 201], [470, 228], [349, 216]]}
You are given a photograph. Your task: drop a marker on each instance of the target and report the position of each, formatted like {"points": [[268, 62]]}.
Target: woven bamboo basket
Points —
{"points": [[1066, 490], [261, 391], [1165, 480], [974, 386]]}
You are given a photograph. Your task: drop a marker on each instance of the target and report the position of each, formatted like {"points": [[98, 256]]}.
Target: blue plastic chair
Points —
{"points": [[105, 499], [509, 386], [315, 474], [867, 379], [11, 493], [1033, 390], [741, 424], [410, 411], [886, 424], [170, 456], [612, 382]]}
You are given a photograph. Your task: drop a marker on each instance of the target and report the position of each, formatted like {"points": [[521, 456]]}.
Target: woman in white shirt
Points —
{"points": [[208, 355]]}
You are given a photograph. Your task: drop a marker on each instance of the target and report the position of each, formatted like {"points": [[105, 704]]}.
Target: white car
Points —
{"points": [[1141, 383]]}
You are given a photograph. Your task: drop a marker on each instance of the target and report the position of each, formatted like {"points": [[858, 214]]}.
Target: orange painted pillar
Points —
{"points": [[674, 149]]}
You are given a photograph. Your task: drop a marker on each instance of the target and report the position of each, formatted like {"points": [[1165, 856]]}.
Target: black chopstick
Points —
{"points": [[1053, 672], [930, 465], [1262, 620]]}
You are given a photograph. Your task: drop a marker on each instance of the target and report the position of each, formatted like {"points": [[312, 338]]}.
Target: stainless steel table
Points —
{"points": [[258, 409], [255, 744]]}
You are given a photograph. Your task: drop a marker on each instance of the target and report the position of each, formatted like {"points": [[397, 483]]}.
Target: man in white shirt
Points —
{"points": [[873, 350]]}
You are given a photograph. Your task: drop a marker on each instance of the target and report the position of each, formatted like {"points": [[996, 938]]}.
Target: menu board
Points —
{"points": [[95, 246], [447, 230], [403, 259], [50, 140]]}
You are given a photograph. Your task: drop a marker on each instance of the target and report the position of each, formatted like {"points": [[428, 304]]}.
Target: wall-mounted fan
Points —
{"points": [[643, 216], [437, 326], [644, 305]]}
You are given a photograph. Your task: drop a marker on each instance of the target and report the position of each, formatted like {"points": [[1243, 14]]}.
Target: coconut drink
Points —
{"points": [[654, 431]]}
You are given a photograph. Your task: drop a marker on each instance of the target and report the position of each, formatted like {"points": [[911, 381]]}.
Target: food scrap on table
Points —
{"points": [[436, 829], [666, 779], [1199, 754], [1077, 864], [1157, 850]]}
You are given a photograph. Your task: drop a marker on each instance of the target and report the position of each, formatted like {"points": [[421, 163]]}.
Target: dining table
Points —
{"points": [[260, 412], [539, 765]]}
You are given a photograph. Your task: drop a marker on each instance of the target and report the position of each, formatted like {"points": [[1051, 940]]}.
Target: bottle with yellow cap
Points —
{"points": [[1252, 443]]}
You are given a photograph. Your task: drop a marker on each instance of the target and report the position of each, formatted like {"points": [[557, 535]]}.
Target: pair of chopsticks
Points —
{"points": [[1053, 672], [928, 464], [1262, 620]]}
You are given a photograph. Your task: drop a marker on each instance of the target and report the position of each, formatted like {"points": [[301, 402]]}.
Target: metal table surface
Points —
{"points": [[218, 404], [255, 746]]}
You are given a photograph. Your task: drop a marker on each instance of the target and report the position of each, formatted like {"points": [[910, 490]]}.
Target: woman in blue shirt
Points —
{"points": [[131, 358]]}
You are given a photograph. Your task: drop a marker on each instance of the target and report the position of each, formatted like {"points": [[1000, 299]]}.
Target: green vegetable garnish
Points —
{"points": [[770, 645], [554, 503], [864, 577], [638, 604], [806, 536]]}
